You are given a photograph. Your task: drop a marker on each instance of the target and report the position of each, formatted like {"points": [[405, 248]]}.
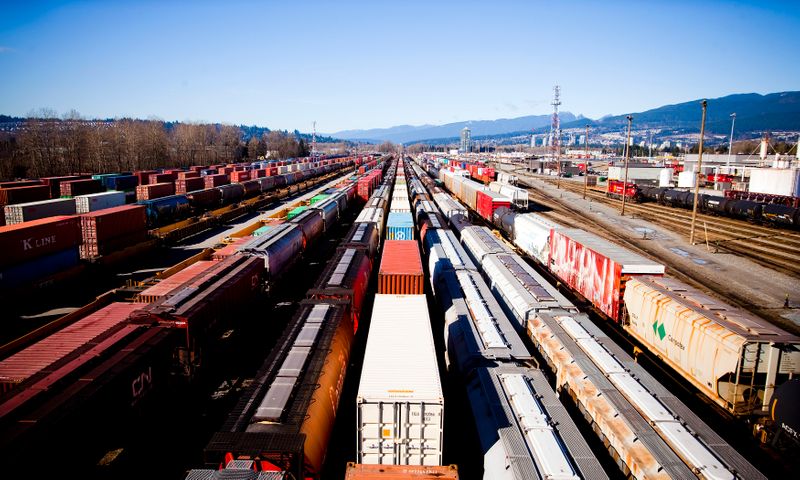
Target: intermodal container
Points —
{"points": [[120, 182], [165, 209], [113, 222], [400, 405], [25, 241], [240, 176], [37, 357], [189, 174], [33, 193], [73, 188], [189, 184], [489, 201], [160, 178], [318, 198], [401, 268], [25, 212], [143, 176], [216, 180], [20, 183], [296, 211], [54, 183], [98, 201], [23, 274], [360, 471], [154, 190], [400, 226], [262, 230], [204, 198]]}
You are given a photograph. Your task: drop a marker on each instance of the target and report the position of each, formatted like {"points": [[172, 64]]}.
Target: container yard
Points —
{"points": [[387, 326]]}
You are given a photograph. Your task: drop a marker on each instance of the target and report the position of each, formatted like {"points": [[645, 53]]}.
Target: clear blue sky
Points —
{"points": [[376, 64]]}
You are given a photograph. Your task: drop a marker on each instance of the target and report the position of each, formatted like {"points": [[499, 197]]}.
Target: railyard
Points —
{"points": [[321, 375]]}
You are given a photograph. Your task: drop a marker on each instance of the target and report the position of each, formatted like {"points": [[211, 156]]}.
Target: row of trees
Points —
{"points": [[46, 145]]}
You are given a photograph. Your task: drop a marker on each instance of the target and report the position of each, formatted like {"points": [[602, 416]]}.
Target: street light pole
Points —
{"points": [[586, 163], [627, 154], [698, 174], [730, 144]]}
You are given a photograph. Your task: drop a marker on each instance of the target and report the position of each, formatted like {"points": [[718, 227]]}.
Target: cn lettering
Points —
{"points": [[142, 383]]}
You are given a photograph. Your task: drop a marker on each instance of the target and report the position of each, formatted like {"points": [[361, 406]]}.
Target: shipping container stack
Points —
{"points": [[112, 229], [36, 249]]}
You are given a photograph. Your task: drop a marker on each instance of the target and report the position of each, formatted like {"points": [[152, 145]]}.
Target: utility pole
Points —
{"points": [[730, 144], [698, 174], [586, 163], [314, 139], [627, 154]]}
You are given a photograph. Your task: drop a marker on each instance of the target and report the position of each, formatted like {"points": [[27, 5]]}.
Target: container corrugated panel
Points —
{"points": [[154, 190], [357, 471], [189, 185], [296, 211], [165, 286], [25, 212], [400, 405], [98, 201], [80, 187], [38, 356], [25, 241], [480, 242], [112, 223], [400, 226], [262, 230], [21, 275], [401, 268], [24, 194]]}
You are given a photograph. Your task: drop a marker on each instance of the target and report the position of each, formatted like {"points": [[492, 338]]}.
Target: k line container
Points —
{"points": [[21, 275], [401, 268], [400, 405]]}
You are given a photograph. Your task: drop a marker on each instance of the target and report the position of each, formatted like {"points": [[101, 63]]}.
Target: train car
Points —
{"points": [[480, 242], [596, 268], [279, 248], [346, 278], [734, 358], [400, 404], [365, 236], [615, 190], [285, 418]]}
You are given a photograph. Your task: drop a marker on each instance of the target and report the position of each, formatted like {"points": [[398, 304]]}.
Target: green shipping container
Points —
{"points": [[318, 198], [262, 230], [295, 212]]}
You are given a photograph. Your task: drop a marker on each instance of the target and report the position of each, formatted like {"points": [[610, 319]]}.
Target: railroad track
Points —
{"points": [[774, 248]]}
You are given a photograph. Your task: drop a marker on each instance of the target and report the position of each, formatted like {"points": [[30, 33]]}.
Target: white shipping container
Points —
{"points": [[686, 179], [665, 177], [775, 181], [99, 201], [634, 173], [400, 405], [25, 212]]}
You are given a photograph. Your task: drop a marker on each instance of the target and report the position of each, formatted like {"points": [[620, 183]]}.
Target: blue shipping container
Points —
{"points": [[25, 273], [121, 182], [165, 209], [400, 226]]}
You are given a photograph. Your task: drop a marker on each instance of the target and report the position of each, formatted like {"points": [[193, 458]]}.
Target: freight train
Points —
{"points": [[647, 430], [523, 430], [284, 420], [776, 214], [113, 359]]}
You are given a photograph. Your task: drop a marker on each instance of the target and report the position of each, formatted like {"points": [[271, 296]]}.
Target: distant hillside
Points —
{"points": [[410, 133], [754, 112]]}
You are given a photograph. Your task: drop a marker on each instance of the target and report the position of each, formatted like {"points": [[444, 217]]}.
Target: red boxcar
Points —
{"points": [[489, 201], [596, 268]]}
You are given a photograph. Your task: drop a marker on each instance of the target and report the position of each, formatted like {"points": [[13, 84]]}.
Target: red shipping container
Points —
{"points": [[596, 268], [161, 178], [189, 185], [488, 202], [37, 357], [14, 195], [197, 168], [240, 176], [55, 184], [185, 175], [144, 176], [24, 241], [401, 272], [154, 190], [225, 170], [113, 222], [20, 183], [259, 173], [204, 198], [74, 188], [216, 180]]}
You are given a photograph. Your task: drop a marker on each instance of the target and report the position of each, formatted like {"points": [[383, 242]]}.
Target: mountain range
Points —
{"points": [[410, 133], [754, 113]]}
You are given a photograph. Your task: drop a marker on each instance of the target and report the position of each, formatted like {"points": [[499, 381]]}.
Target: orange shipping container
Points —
{"points": [[359, 471], [401, 269]]}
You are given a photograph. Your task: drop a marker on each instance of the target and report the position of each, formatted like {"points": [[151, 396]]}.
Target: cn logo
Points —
{"points": [[400, 236], [141, 384]]}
